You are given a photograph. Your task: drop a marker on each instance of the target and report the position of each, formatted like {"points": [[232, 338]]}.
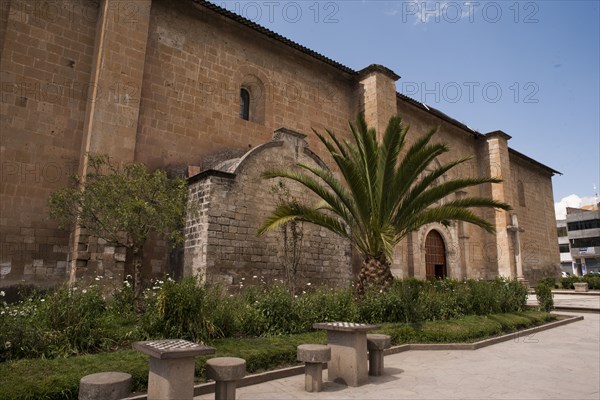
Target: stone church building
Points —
{"points": [[195, 89]]}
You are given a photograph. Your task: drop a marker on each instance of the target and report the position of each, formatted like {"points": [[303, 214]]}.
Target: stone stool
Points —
{"points": [[376, 344], [225, 371], [105, 386], [313, 355]]}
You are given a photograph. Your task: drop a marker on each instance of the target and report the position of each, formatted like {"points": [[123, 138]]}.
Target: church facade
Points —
{"points": [[193, 88]]}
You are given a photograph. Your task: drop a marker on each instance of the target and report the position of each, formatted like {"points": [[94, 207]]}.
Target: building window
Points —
{"points": [[564, 248], [244, 104], [585, 242], [581, 225], [562, 231]]}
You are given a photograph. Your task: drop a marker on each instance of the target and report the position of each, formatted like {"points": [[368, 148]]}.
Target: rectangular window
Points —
{"points": [[562, 231], [564, 248], [581, 225], [585, 242]]}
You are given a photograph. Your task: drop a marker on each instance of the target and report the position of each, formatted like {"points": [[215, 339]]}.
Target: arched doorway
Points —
{"points": [[435, 256]]}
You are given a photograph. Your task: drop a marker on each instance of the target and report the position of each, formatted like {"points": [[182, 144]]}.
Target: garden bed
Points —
{"points": [[59, 378]]}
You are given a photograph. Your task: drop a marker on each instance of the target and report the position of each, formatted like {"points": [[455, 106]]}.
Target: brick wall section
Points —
{"points": [[497, 149], [539, 241], [377, 96], [221, 241], [120, 50], [196, 63], [44, 74], [472, 250]]}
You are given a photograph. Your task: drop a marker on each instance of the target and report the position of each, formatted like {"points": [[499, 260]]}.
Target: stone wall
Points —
{"points": [[534, 205], [45, 67], [231, 204], [197, 61]]}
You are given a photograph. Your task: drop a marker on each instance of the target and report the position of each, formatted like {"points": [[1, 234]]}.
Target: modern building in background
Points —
{"points": [[579, 240]]}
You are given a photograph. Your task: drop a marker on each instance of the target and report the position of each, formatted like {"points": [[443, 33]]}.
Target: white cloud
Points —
{"points": [[572, 200]]}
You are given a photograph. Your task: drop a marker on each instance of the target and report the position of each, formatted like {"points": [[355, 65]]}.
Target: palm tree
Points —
{"points": [[382, 197]]}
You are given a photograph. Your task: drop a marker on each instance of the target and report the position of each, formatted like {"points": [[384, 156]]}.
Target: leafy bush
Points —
{"points": [[549, 281], [177, 310], [68, 322], [593, 281], [65, 322], [543, 293]]}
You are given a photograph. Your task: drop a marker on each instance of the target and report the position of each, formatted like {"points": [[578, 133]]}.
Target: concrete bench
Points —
{"points": [[313, 356], [225, 371], [581, 286], [105, 386], [376, 344]]}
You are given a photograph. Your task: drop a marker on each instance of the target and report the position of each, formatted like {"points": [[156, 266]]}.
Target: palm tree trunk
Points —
{"points": [[375, 271]]}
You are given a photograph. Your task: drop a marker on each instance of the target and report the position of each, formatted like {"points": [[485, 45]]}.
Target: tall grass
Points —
{"points": [[75, 321]]}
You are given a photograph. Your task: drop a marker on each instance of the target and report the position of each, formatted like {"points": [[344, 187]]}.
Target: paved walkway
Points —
{"points": [[571, 300], [560, 363]]}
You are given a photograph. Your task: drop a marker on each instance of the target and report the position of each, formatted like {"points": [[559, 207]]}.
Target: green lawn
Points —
{"points": [[59, 378]]}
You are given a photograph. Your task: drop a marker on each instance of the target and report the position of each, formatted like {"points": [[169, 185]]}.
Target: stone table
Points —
{"points": [[348, 342], [171, 374]]}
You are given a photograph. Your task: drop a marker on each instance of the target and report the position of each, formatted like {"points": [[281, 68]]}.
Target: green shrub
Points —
{"points": [[277, 308], [62, 323], [567, 282], [549, 281], [177, 310], [325, 305], [543, 293], [69, 322], [593, 281]]}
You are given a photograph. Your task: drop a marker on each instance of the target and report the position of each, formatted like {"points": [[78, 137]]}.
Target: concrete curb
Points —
{"points": [[574, 293], [578, 309], [205, 388]]}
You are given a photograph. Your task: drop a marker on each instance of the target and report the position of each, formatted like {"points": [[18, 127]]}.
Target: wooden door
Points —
{"points": [[435, 256]]}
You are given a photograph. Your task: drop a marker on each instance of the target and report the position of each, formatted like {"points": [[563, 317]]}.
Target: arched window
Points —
{"points": [[244, 104]]}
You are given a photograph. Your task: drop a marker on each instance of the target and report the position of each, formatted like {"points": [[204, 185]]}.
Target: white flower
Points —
{"points": [[254, 277], [2, 294], [155, 287], [43, 300], [84, 291], [7, 345], [97, 278], [308, 284], [243, 279]]}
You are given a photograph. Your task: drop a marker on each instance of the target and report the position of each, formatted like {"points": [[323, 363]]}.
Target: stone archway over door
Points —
{"points": [[435, 256]]}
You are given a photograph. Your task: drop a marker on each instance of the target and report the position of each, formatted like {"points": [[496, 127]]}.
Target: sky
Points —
{"points": [[528, 68]]}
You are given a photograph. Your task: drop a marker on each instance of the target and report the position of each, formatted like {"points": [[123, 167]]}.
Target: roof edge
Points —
{"points": [[535, 162], [273, 35]]}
